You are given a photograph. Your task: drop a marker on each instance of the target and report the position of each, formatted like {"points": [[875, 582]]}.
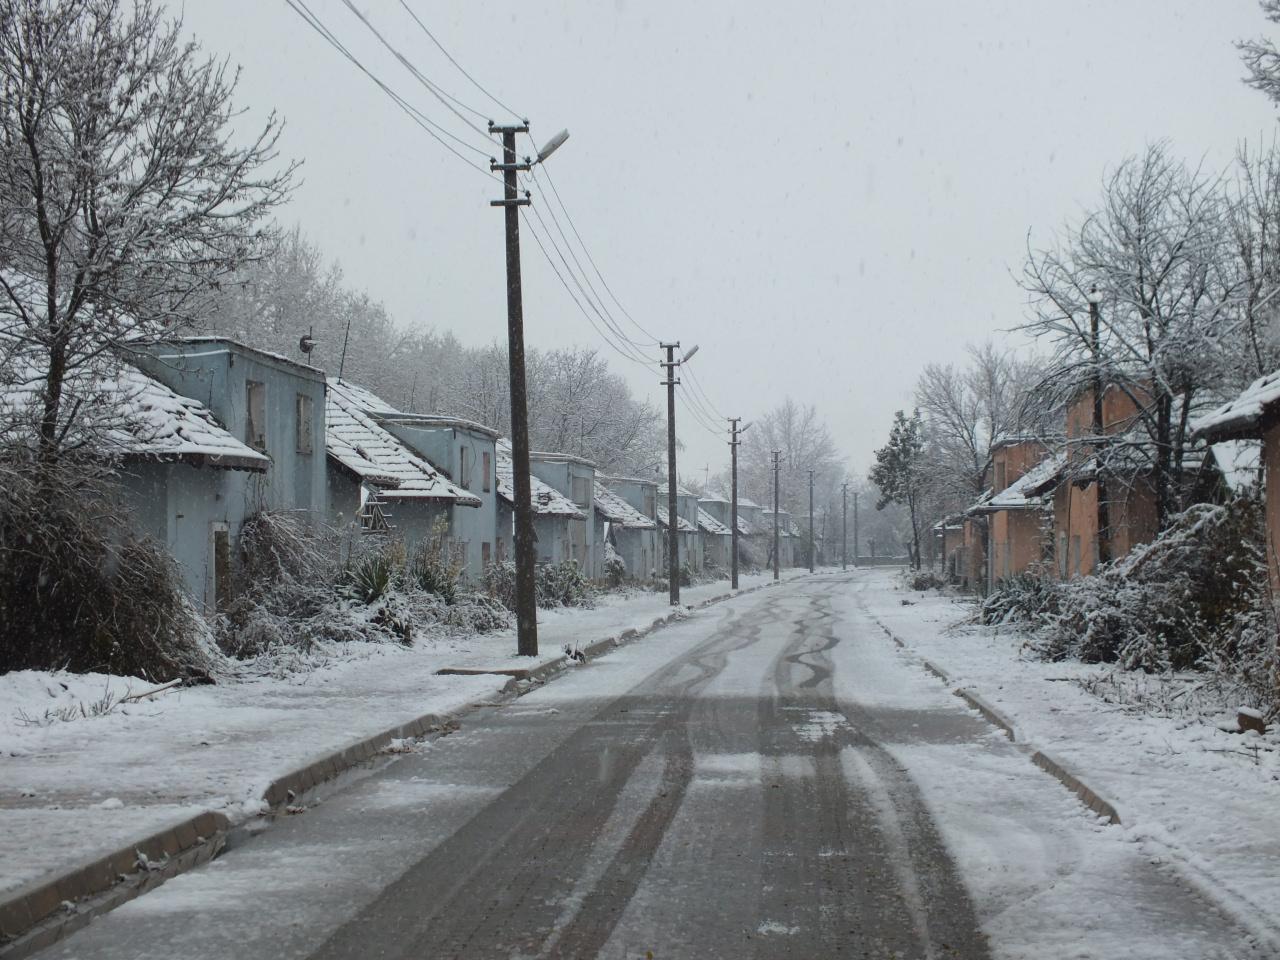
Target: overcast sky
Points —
{"points": [[823, 196]]}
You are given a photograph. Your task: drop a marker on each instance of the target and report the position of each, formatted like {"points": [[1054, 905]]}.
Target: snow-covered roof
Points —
{"points": [[1240, 462], [135, 415], [710, 524], [616, 510], [1240, 417], [1026, 493], [364, 399], [682, 525], [355, 441], [546, 499], [232, 345]]}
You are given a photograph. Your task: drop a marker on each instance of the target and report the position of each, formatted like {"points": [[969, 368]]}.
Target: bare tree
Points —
{"points": [[1261, 57], [1154, 251], [805, 444], [124, 198]]}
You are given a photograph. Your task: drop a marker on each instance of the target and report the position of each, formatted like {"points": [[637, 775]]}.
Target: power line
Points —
{"points": [[697, 386], [574, 298], [449, 57], [301, 9], [606, 316], [432, 88], [556, 193]]}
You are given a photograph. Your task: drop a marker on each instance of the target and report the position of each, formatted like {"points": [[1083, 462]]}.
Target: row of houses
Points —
{"points": [[1040, 510], [215, 431]]}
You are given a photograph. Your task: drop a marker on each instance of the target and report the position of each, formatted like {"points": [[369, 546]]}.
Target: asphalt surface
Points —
{"points": [[712, 791]]}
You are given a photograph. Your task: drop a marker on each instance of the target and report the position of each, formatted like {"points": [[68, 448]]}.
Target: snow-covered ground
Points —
{"points": [[78, 785], [1189, 793]]}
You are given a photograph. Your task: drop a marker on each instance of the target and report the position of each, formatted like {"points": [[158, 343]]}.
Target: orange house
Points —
{"points": [[1255, 414], [1016, 519]]}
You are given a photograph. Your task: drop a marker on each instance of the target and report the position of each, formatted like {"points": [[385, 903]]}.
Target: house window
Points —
{"points": [[487, 463], [582, 491], [256, 423], [220, 547], [1000, 484], [578, 541], [303, 419], [485, 553], [464, 469], [649, 503]]}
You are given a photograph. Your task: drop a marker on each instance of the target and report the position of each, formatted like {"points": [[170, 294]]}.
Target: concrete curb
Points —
{"points": [[36, 916], [989, 713], [44, 912], [1073, 783], [1086, 794]]}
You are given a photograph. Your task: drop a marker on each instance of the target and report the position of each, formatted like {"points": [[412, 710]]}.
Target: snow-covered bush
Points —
{"points": [[1023, 598], [78, 589], [372, 577], [437, 564], [1196, 597], [564, 585], [615, 568], [500, 582]]}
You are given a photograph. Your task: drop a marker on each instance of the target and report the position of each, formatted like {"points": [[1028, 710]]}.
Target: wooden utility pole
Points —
{"points": [[855, 528], [811, 549], [844, 525], [1099, 428], [777, 462], [733, 506], [673, 519], [526, 588]]}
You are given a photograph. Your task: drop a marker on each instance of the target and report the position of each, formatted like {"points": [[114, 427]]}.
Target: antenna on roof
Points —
{"points": [[345, 337], [308, 342]]}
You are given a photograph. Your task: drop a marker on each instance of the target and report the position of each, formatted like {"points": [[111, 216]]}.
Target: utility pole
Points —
{"points": [[673, 519], [777, 462], [733, 505], [811, 549], [844, 525], [1099, 427], [526, 589], [855, 528]]}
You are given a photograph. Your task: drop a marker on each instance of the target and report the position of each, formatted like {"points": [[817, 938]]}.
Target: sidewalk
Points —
{"points": [[1190, 793], [76, 790]]}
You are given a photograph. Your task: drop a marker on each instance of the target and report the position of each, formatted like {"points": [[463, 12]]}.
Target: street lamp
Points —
{"points": [[526, 587]]}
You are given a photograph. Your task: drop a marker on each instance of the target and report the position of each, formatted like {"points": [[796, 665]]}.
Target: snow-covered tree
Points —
{"points": [[125, 196], [898, 475], [1261, 57], [805, 443], [1154, 251]]}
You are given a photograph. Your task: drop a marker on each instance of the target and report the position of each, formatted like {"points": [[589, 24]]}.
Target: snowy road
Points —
{"points": [[772, 778]]}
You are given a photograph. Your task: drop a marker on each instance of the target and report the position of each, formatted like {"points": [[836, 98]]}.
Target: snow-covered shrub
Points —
{"points": [[686, 574], [923, 580], [78, 589], [564, 585], [1196, 596], [437, 564], [748, 557], [476, 613], [615, 568], [371, 577], [1023, 598], [500, 582]]}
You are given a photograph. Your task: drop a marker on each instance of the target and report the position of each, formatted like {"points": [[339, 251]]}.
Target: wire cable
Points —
{"points": [[302, 10], [449, 57], [432, 88], [697, 385]]}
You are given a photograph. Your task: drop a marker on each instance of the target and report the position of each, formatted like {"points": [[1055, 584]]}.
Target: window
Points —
{"points": [[464, 469], [1000, 484], [256, 423], [220, 544], [485, 550], [303, 419], [649, 504], [486, 480]]}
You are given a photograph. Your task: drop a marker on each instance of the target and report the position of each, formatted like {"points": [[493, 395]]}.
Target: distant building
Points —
{"points": [[554, 514], [575, 479], [627, 531]]}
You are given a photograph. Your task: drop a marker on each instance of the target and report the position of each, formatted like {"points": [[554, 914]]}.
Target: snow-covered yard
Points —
{"points": [[1188, 791], [85, 773]]}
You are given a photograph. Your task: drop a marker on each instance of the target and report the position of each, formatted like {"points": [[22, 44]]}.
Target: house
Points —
{"points": [[575, 479], [178, 467], [553, 514], [631, 535], [642, 496], [376, 483], [1018, 513], [948, 536], [689, 544], [266, 403], [972, 562], [787, 537], [717, 541], [271, 403], [1254, 415]]}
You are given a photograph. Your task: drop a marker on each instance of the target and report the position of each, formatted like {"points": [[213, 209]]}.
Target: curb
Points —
{"points": [[44, 912], [1083, 791], [989, 713], [40, 914], [1073, 783]]}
